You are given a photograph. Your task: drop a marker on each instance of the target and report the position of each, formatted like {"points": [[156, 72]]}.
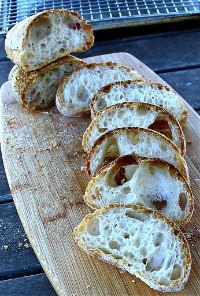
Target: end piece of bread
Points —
{"points": [[140, 241], [140, 91], [78, 88], [143, 142], [134, 115], [47, 36], [36, 90], [152, 183]]}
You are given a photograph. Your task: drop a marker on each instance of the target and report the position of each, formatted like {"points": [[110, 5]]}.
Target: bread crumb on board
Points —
{"points": [[133, 281], [83, 168]]}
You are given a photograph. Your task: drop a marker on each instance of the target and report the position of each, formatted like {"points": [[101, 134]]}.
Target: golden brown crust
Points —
{"points": [[135, 159], [146, 211], [131, 105], [25, 79], [135, 130], [126, 83]]}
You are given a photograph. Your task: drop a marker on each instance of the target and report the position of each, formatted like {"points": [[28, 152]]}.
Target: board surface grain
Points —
{"points": [[43, 156]]}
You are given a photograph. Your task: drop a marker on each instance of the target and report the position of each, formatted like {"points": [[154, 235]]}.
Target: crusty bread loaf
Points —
{"points": [[36, 90], [143, 142], [140, 91], [47, 36], [134, 115], [152, 183], [140, 241], [78, 88]]}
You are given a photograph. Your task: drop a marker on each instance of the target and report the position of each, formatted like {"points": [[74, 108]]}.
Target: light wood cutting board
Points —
{"points": [[43, 157]]}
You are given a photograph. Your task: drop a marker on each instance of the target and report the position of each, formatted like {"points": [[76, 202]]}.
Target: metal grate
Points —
{"points": [[99, 12]]}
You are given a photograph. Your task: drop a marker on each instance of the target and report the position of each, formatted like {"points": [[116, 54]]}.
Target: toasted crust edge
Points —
{"points": [[135, 159], [125, 83], [17, 55], [135, 130], [133, 105], [178, 285]]}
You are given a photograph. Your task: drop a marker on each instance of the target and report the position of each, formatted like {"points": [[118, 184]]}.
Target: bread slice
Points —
{"points": [[78, 88], [143, 142], [140, 241], [47, 36], [36, 90], [134, 115], [140, 91], [150, 182]]}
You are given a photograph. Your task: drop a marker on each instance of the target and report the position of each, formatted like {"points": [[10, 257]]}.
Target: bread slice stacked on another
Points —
{"points": [[150, 182], [140, 91], [78, 87], [36, 90], [44, 37], [40, 46], [134, 115], [140, 241]]}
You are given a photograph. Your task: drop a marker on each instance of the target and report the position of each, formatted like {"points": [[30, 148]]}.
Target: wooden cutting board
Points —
{"points": [[43, 157]]}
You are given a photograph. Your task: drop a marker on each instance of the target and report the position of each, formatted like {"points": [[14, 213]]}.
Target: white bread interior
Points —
{"points": [[140, 91], [139, 241], [36, 90], [78, 88], [134, 115], [142, 142], [151, 183], [47, 36]]}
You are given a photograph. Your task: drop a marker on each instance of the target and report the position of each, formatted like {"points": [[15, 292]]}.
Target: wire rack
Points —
{"points": [[99, 12]]}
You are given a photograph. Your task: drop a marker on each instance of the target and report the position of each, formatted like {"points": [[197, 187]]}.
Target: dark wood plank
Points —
{"points": [[2, 50], [7, 198], [160, 52], [186, 83], [5, 68], [29, 285], [4, 187], [16, 256]]}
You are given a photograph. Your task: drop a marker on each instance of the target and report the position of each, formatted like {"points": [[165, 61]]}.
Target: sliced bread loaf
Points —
{"points": [[140, 91], [134, 115], [47, 36], [143, 142], [152, 183], [78, 88], [140, 241], [36, 90]]}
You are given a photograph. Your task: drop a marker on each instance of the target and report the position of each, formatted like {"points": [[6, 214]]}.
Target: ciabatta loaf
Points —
{"points": [[143, 142], [47, 36], [152, 183], [78, 88], [140, 91], [36, 90], [140, 241], [134, 115]]}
